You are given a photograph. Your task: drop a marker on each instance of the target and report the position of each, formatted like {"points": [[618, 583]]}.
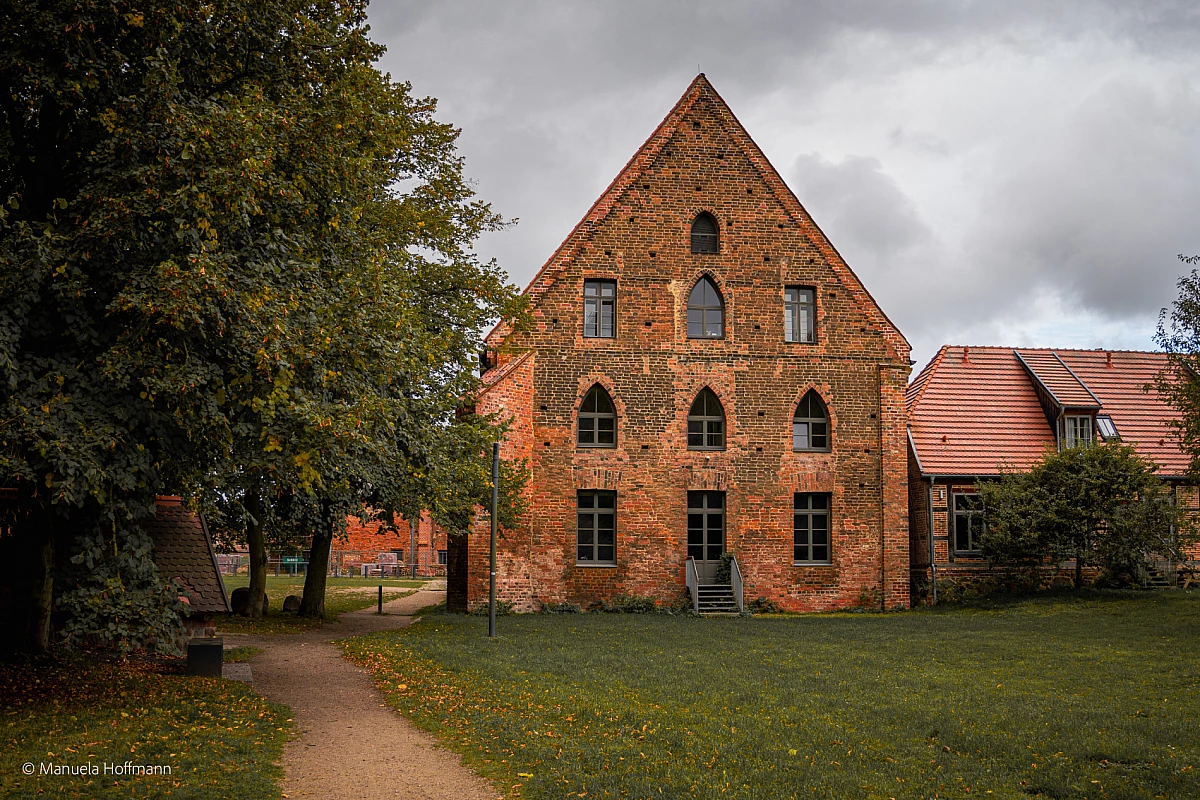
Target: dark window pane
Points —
{"points": [[587, 500], [696, 552], [714, 552], [820, 500], [606, 554], [606, 537], [820, 553], [606, 500], [605, 521], [584, 554]]}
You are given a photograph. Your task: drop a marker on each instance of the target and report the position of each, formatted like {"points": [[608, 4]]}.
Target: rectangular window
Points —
{"points": [[799, 315], [443, 557], [969, 525], [600, 309], [1078, 431], [811, 528], [706, 525], [596, 531]]}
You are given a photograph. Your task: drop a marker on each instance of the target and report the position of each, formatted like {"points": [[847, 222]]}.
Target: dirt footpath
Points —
{"points": [[351, 744]]}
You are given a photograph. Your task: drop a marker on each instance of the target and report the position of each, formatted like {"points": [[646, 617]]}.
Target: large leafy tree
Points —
{"points": [[1178, 334], [234, 257], [1100, 505]]}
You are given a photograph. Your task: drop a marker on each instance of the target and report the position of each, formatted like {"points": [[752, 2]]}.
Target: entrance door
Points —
{"points": [[706, 532]]}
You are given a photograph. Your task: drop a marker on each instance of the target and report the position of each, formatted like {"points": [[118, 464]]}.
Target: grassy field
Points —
{"points": [[341, 595], [1076, 696], [218, 737]]}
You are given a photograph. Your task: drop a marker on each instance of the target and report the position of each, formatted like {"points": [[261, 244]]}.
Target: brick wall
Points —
{"points": [[364, 542], [638, 234]]}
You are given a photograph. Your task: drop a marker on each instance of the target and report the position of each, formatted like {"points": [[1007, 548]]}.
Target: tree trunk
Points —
{"points": [[41, 597], [1078, 570], [312, 604], [257, 544], [456, 571]]}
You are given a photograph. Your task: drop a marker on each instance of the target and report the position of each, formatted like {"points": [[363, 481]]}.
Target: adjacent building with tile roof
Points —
{"points": [[703, 374], [974, 412]]}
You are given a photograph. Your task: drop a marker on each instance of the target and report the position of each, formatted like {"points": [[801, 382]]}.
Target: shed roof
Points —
{"points": [[972, 410], [183, 550]]}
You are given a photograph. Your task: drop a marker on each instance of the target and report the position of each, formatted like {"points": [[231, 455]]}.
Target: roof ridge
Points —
{"points": [[631, 171], [783, 194]]}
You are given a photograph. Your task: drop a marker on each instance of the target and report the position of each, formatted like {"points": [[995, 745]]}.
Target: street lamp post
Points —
{"points": [[492, 563]]}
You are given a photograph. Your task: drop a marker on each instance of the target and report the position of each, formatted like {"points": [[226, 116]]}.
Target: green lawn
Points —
{"points": [[1091, 696], [218, 737], [341, 595]]}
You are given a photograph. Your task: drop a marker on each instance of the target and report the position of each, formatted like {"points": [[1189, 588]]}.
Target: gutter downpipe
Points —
{"points": [[932, 558]]}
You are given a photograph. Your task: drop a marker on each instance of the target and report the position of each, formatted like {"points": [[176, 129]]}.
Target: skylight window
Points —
{"points": [[1106, 429]]}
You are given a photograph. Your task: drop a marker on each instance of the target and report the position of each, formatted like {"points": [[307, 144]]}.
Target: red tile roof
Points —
{"points": [[1140, 416], [183, 550], [968, 416], [1062, 384]]}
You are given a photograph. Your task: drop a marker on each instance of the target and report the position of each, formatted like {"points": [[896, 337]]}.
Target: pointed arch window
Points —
{"points": [[706, 422], [597, 419], [705, 311], [810, 424], [705, 235]]}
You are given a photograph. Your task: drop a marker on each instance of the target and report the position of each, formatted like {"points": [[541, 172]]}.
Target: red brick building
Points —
{"points": [[974, 410], [704, 374], [374, 547]]}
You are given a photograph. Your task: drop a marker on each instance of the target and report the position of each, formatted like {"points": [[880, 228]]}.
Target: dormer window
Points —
{"points": [[1106, 429], [1078, 431], [705, 238]]}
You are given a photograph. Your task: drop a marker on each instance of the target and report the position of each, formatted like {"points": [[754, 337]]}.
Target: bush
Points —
{"points": [[504, 608], [761, 605], [561, 608], [628, 604]]}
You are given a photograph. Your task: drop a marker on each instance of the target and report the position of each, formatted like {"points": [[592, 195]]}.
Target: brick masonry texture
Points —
{"points": [[364, 542], [700, 159]]}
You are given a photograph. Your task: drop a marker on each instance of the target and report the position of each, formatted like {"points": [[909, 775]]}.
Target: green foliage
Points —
{"points": [[724, 568], [112, 597], [214, 734], [1178, 334], [628, 604], [1054, 696], [561, 608], [762, 605], [1101, 505], [234, 258], [504, 608]]}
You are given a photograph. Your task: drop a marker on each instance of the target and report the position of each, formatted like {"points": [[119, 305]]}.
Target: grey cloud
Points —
{"points": [[966, 214]]}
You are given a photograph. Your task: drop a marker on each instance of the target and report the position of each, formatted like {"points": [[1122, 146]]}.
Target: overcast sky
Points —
{"points": [[1010, 173]]}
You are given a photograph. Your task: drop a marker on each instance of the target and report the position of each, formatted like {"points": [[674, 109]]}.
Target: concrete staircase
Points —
{"points": [[717, 599]]}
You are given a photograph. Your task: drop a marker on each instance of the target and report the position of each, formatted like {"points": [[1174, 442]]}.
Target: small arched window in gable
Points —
{"points": [[705, 238], [705, 311], [706, 422], [810, 425], [597, 419]]}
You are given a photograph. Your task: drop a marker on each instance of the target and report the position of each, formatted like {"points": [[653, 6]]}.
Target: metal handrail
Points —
{"points": [[693, 583], [735, 581]]}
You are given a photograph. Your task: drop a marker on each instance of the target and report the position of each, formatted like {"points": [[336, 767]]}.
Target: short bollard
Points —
{"points": [[205, 655], [381, 599]]}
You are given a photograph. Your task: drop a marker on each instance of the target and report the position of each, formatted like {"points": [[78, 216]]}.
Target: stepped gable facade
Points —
{"points": [[703, 374], [974, 411]]}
